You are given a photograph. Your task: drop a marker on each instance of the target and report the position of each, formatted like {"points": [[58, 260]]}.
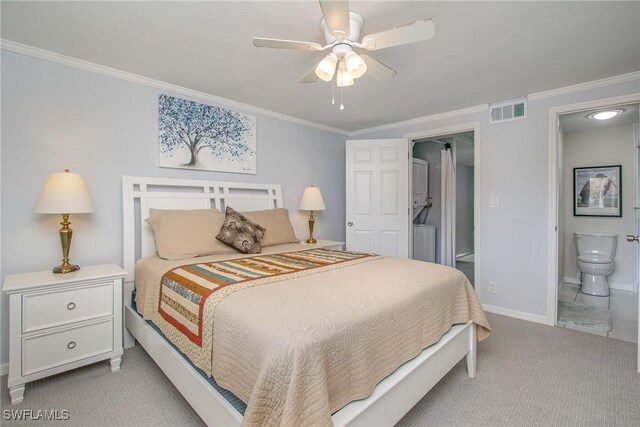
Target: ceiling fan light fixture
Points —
{"points": [[327, 67], [344, 77], [355, 64]]}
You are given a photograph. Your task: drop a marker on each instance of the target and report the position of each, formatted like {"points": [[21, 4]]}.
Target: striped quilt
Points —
{"points": [[190, 293]]}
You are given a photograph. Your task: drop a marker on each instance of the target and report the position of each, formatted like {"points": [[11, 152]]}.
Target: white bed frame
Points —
{"points": [[392, 397]]}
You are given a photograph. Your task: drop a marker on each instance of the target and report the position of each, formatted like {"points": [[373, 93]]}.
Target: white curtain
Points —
{"points": [[448, 209]]}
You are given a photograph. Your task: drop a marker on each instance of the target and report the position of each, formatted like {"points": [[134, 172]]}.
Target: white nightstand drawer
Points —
{"points": [[58, 307], [45, 351]]}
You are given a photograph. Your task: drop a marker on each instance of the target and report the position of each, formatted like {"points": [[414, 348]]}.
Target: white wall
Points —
{"points": [[57, 117], [601, 147], [464, 209], [514, 166]]}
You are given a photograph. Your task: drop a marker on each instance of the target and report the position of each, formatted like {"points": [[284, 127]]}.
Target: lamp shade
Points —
{"points": [[327, 67], [355, 64], [344, 77], [64, 193], [312, 200]]}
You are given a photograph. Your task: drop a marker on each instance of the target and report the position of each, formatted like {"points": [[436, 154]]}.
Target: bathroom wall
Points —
{"points": [[606, 146]]}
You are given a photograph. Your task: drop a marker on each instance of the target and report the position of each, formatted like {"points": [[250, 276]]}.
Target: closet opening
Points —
{"points": [[443, 200]]}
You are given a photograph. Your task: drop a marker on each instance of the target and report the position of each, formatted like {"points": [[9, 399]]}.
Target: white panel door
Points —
{"points": [[377, 179]]}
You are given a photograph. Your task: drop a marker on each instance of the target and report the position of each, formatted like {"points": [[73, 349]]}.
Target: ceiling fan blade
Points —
{"points": [[285, 44], [336, 16], [377, 69], [418, 31], [310, 77]]}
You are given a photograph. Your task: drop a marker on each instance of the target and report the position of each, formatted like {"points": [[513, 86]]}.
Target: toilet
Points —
{"points": [[596, 251]]}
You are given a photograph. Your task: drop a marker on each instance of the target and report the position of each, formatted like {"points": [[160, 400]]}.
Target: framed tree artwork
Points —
{"points": [[192, 135], [597, 191]]}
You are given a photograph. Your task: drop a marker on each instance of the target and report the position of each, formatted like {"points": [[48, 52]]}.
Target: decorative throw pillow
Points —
{"points": [[240, 233]]}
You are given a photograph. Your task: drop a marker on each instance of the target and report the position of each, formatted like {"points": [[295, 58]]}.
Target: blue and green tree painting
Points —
{"points": [[199, 136]]}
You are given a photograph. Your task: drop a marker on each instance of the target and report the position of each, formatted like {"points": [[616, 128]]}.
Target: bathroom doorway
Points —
{"points": [[443, 199], [595, 195]]}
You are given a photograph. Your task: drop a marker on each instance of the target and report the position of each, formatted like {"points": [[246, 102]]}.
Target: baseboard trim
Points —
{"points": [[4, 369], [620, 286], [515, 314]]}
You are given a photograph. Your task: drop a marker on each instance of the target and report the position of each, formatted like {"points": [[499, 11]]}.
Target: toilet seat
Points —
{"points": [[595, 258]]}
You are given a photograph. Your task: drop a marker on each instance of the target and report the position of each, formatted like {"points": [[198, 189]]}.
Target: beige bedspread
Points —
{"points": [[298, 350]]}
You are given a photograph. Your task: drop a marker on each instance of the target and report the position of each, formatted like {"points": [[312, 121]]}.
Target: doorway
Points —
{"points": [[445, 209], [606, 149]]}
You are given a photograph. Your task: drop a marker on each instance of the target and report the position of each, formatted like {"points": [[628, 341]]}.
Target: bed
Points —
{"points": [[289, 321]]}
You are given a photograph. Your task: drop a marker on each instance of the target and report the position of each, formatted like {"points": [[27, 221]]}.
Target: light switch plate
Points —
{"points": [[495, 201]]}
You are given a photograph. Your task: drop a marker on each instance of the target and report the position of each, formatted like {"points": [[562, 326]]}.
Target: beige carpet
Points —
{"points": [[528, 375]]}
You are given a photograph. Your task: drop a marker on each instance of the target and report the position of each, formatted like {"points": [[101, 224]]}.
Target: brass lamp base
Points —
{"points": [[312, 220], [68, 268], [65, 238]]}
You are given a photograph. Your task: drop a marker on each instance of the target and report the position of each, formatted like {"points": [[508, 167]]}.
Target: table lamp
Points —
{"points": [[65, 193], [311, 201]]}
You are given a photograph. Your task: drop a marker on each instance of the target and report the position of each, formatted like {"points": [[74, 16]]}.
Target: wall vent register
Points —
{"points": [[507, 111]]}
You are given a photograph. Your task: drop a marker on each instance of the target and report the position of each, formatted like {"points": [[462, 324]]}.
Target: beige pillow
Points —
{"points": [[181, 234], [241, 233], [277, 225]]}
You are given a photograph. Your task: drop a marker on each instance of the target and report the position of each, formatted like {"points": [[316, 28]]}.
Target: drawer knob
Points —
{"points": [[71, 306], [71, 345]]}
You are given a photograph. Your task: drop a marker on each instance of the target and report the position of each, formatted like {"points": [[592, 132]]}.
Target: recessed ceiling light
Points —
{"points": [[605, 115]]}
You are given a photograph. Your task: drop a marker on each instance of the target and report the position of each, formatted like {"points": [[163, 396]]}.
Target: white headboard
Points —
{"points": [[139, 194]]}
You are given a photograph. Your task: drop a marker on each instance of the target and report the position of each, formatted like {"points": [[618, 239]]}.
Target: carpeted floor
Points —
{"points": [[528, 375]]}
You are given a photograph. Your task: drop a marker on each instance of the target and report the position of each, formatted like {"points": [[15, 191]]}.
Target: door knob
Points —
{"points": [[350, 224], [632, 238]]}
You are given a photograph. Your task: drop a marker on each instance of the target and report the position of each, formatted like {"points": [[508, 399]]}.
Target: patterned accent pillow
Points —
{"points": [[240, 233]]}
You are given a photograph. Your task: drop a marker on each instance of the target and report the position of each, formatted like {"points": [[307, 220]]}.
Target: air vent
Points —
{"points": [[506, 111]]}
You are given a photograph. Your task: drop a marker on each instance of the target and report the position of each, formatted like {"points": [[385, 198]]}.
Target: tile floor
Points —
{"points": [[615, 316]]}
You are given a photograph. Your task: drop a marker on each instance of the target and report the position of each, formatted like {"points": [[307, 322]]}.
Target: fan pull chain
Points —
{"points": [[333, 89], [341, 99]]}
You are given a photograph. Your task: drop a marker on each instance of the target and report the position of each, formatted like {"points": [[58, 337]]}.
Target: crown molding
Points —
{"points": [[57, 58], [623, 78], [46, 55], [424, 119]]}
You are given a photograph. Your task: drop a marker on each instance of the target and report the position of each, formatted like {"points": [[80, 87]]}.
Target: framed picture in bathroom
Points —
{"points": [[597, 191]]}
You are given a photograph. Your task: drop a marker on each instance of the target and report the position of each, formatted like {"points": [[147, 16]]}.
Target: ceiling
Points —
{"points": [[483, 52], [579, 122]]}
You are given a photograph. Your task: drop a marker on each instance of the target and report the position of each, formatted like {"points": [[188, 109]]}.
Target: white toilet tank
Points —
{"points": [[596, 242]]}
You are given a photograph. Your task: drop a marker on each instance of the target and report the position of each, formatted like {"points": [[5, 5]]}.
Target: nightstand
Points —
{"points": [[59, 322], [329, 244]]}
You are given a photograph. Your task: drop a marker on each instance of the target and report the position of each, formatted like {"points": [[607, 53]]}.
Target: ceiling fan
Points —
{"points": [[341, 29]]}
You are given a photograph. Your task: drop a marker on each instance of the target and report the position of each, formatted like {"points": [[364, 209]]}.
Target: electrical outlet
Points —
{"points": [[493, 287]]}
